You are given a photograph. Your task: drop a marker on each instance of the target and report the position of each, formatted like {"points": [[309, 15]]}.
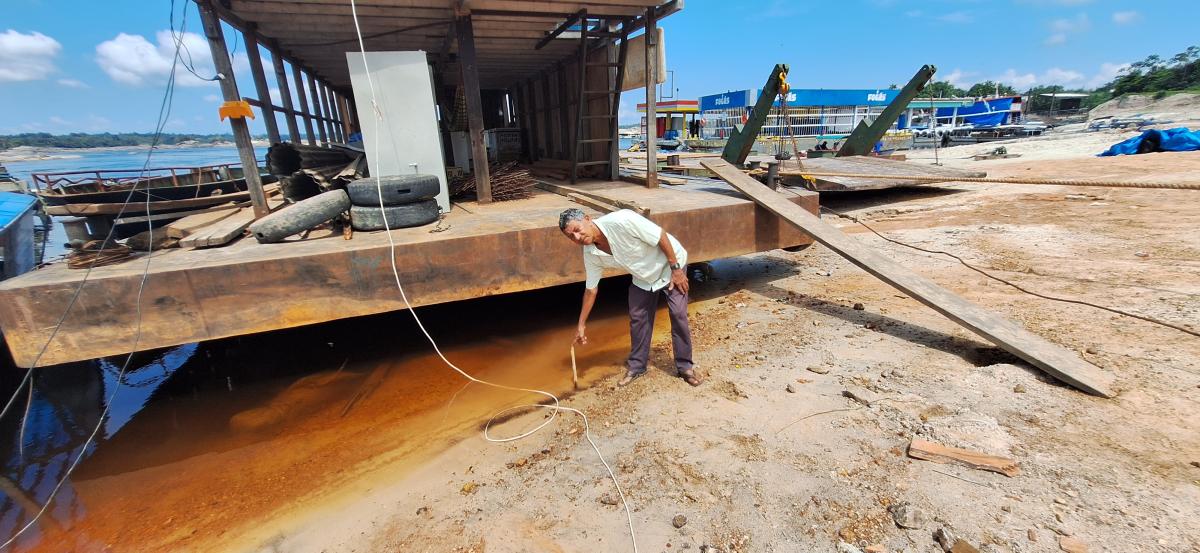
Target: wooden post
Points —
{"points": [[344, 111], [566, 147], [651, 100], [316, 101], [285, 94], [305, 110], [327, 113], [229, 91], [546, 127], [260, 84], [470, 79], [335, 114], [530, 110]]}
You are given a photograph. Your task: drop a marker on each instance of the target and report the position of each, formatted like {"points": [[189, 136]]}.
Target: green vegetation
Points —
{"points": [[101, 140], [1154, 75]]}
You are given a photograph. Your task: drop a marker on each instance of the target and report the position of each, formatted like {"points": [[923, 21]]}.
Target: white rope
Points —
{"points": [[556, 406]]}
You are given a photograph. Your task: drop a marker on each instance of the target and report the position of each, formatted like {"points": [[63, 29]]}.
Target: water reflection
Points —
{"points": [[67, 406], [202, 438]]}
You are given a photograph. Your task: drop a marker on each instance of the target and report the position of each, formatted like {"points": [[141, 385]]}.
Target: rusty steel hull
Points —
{"points": [[246, 287]]}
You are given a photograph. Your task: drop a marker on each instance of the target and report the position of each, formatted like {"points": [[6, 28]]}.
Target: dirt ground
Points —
{"points": [[769, 455]]}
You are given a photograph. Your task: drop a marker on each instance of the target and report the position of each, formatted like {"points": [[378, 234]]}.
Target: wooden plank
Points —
{"points": [[592, 203], [571, 191], [227, 229], [133, 208], [1049, 357], [929, 451], [189, 225], [868, 165]]}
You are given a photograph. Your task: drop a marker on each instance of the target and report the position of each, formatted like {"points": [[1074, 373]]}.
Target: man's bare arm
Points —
{"points": [[678, 276], [589, 300]]}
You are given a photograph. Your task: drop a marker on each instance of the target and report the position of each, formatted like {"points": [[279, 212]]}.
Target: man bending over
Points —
{"points": [[623, 239]]}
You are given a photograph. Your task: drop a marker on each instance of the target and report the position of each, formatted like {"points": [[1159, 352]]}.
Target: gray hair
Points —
{"points": [[568, 215]]}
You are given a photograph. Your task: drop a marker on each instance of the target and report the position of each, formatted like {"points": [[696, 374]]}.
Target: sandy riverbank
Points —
{"points": [[37, 153], [769, 456]]}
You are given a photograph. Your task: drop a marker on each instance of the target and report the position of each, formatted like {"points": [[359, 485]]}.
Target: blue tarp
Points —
{"points": [[1171, 140]]}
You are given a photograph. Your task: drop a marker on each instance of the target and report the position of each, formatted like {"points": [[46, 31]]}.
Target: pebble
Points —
{"points": [[819, 369], [1031, 534], [1091, 350], [791, 388], [876, 548], [945, 538], [1019, 388], [760, 357], [1060, 501], [1071, 545], [859, 307], [844, 547], [608, 499], [908, 516], [1141, 254], [679, 521]]}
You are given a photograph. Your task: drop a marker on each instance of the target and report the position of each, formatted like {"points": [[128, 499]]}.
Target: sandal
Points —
{"points": [[629, 377], [690, 377]]}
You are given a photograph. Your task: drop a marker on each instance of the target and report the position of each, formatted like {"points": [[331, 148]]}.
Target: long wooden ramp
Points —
{"points": [[1049, 357]]}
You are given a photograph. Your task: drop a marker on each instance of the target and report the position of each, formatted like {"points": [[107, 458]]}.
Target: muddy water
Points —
{"points": [[204, 442]]}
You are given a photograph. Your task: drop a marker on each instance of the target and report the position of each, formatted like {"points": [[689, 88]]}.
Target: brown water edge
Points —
{"points": [[253, 432]]}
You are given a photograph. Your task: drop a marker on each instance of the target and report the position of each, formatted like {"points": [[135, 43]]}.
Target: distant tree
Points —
{"points": [[893, 86], [943, 89], [988, 88], [100, 140]]}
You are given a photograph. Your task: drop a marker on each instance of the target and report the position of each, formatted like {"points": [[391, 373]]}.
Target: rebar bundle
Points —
{"points": [[509, 182]]}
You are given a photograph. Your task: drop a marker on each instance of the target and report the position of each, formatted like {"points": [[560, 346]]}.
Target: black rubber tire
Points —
{"points": [[397, 190], [300, 216], [398, 216]]}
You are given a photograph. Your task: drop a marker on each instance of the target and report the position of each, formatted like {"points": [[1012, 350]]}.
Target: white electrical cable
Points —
{"points": [[556, 407]]}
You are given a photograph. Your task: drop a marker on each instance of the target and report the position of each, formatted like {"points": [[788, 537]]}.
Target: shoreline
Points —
{"points": [[43, 153]]}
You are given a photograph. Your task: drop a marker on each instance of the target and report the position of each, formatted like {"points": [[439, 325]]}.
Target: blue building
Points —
{"points": [[809, 113]]}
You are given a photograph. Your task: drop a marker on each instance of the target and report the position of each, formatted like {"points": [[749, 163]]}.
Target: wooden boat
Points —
{"points": [[168, 189]]}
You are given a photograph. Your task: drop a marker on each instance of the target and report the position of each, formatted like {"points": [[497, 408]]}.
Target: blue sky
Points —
{"points": [[99, 65]]}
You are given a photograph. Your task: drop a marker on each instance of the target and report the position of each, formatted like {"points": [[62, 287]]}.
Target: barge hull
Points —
{"points": [[246, 287]]}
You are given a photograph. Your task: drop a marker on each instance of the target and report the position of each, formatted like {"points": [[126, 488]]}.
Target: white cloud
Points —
{"points": [[914, 13], [27, 57], [275, 98], [213, 98], [1108, 72], [1065, 77], [56, 120], [1061, 28], [958, 77], [1055, 39], [1124, 18], [959, 17], [1076, 24], [1019, 81], [133, 60], [73, 83]]}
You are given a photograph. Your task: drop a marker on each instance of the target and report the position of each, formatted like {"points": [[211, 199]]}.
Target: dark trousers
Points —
{"points": [[642, 305]]}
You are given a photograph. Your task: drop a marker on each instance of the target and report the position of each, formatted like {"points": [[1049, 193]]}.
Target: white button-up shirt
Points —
{"points": [[633, 240]]}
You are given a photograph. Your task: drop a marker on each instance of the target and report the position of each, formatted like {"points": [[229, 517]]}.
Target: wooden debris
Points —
{"points": [[572, 192], [190, 224], [1015, 339], [509, 182], [226, 230], [640, 178], [929, 451]]}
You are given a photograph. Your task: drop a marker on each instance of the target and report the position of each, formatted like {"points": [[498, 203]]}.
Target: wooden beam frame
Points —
{"points": [[229, 91], [561, 28], [302, 100], [285, 93], [254, 53], [470, 79], [651, 98]]}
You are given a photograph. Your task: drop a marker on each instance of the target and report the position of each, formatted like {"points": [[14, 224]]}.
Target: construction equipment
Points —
{"points": [[863, 139], [742, 141]]}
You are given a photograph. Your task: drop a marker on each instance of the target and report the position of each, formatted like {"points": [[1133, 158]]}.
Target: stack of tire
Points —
{"points": [[406, 200]]}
